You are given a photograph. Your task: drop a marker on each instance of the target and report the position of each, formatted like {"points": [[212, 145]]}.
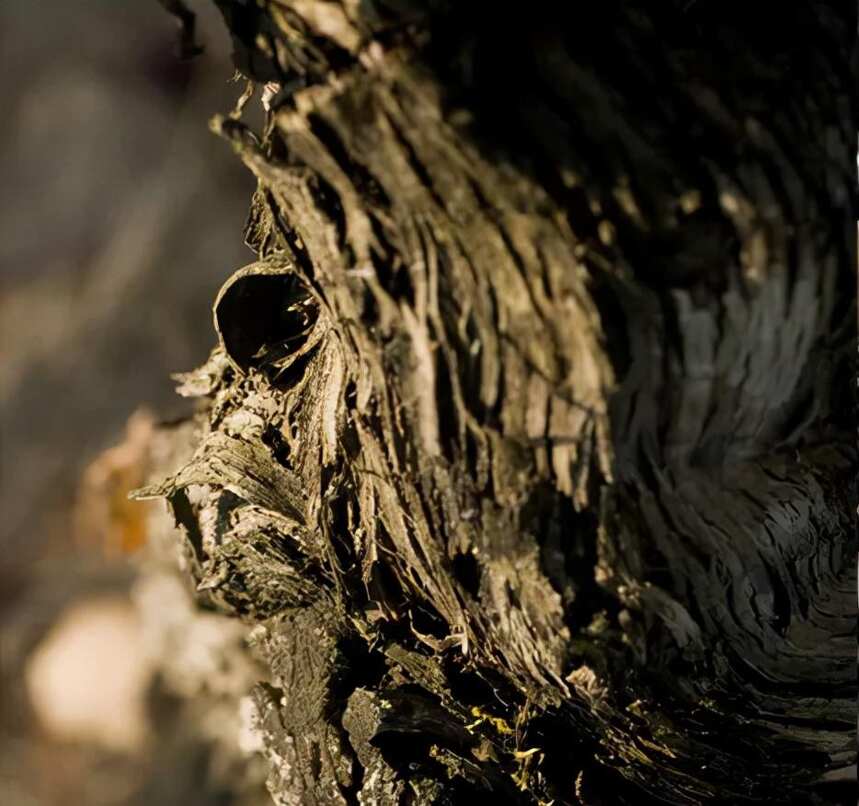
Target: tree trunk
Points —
{"points": [[528, 440]]}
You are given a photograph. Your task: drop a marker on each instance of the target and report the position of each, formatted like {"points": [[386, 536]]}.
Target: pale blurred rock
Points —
{"points": [[88, 678]]}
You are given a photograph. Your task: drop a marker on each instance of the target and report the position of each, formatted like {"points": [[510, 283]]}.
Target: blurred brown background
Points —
{"points": [[121, 216]]}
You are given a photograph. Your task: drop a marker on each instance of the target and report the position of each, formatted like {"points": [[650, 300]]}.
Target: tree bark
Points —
{"points": [[528, 439]]}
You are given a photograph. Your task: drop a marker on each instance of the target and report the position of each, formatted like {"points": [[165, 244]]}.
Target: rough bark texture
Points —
{"points": [[528, 442]]}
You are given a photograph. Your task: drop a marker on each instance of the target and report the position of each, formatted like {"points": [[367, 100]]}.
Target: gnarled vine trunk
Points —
{"points": [[528, 439]]}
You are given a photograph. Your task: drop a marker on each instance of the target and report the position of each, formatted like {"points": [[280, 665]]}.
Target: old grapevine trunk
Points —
{"points": [[528, 441]]}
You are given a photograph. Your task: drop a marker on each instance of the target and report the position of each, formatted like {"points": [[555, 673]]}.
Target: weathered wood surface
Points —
{"points": [[529, 438]]}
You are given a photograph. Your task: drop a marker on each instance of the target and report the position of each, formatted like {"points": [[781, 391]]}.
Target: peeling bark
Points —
{"points": [[527, 440]]}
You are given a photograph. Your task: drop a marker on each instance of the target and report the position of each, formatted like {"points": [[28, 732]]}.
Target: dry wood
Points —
{"points": [[528, 436]]}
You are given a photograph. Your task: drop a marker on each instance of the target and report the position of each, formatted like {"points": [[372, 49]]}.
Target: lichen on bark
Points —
{"points": [[526, 438]]}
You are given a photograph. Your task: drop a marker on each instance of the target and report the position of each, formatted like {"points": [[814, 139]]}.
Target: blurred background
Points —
{"points": [[121, 217]]}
